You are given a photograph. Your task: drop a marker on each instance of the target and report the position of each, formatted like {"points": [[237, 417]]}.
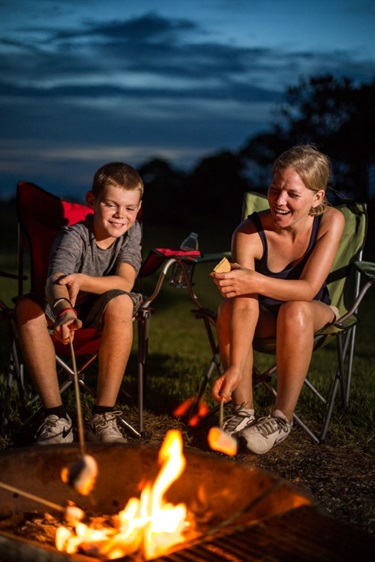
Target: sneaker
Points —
{"points": [[54, 430], [237, 421], [267, 433], [102, 428]]}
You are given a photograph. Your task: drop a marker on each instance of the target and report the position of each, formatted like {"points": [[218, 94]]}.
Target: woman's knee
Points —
{"points": [[296, 314], [224, 310]]}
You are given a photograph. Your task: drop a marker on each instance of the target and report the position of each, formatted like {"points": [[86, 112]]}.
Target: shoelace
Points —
{"points": [[47, 425], [109, 418], [269, 425], [234, 420]]}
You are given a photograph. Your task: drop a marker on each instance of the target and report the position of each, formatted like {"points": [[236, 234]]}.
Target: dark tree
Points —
{"points": [[335, 115], [217, 185], [163, 197]]}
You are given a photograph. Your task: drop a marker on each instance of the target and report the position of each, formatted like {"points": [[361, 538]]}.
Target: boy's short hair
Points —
{"points": [[119, 174]]}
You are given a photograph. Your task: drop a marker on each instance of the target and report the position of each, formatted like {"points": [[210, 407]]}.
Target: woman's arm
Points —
{"points": [[243, 280]]}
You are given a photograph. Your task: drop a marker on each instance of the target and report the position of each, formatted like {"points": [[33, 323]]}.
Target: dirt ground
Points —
{"points": [[339, 479]]}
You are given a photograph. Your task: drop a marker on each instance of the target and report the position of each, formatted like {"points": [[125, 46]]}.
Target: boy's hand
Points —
{"points": [[66, 325], [73, 283]]}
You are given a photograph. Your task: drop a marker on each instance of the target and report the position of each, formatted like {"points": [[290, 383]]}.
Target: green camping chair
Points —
{"points": [[346, 288]]}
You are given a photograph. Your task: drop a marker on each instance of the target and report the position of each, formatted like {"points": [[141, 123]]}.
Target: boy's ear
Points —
{"points": [[90, 198]]}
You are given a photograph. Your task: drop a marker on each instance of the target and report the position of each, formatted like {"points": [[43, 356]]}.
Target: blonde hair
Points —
{"points": [[313, 166]]}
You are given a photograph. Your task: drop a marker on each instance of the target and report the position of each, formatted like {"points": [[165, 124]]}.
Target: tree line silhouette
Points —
{"points": [[336, 115]]}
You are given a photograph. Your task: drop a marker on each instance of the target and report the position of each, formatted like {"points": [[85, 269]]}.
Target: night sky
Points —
{"points": [[88, 82]]}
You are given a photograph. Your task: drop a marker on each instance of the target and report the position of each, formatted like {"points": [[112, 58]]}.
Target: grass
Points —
{"points": [[179, 352]]}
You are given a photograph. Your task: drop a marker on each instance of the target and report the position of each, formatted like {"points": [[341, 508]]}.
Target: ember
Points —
{"points": [[149, 524], [193, 408]]}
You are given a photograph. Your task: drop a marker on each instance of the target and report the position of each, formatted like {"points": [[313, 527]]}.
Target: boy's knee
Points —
{"points": [[27, 308], [120, 305]]}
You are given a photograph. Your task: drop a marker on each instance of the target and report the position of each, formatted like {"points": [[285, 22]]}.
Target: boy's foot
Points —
{"points": [[237, 421], [267, 433], [54, 430], [102, 428]]}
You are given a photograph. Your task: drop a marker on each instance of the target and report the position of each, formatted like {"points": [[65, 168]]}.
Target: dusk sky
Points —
{"points": [[85, 82]]}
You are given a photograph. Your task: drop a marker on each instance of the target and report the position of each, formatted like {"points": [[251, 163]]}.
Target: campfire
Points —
{"points": [[151, 504], [149, 524]]}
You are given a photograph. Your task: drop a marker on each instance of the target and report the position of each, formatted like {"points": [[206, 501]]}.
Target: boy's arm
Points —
{"points": [[57, 295], [124, 279]]}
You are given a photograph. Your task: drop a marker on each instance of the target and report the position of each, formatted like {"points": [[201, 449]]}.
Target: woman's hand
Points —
{"points": [[225, 385], [66, 325], [237, 282]]}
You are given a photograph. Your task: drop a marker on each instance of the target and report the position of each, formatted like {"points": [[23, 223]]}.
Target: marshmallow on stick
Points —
{"points": [[221, 441]]}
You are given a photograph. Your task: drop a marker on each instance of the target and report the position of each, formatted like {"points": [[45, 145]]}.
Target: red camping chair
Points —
{"points": [[40, 217]]}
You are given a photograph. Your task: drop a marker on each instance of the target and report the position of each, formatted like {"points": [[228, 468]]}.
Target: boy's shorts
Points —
{"points": [[91, 311]]}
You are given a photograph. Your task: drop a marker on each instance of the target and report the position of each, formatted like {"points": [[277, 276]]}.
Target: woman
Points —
{"points": [[276, 288]]}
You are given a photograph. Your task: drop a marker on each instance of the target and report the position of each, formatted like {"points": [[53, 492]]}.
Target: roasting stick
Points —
{"points": [[32, 497], [81, 436], [221, 417], [72, 513], [82, 474]]}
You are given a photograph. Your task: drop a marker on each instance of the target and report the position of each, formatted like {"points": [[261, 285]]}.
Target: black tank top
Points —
{"points": [[290, 271]]}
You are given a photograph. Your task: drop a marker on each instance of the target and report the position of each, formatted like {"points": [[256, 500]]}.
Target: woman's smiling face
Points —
{"points": [[289, 198]]}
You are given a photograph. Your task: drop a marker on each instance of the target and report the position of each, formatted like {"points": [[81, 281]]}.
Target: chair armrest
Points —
{"points": [[13, 275], [366, 268], [211, 258]]}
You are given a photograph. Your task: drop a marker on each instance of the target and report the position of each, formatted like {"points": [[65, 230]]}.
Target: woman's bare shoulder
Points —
{"points": [[333, 214], [332, 219]]}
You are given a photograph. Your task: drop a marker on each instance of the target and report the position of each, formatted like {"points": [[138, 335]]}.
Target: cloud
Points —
{"points": [[77, 89]]}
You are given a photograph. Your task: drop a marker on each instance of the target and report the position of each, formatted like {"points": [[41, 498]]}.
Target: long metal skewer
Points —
{"points": [[81, 436], [221, 419], [32, 497]]}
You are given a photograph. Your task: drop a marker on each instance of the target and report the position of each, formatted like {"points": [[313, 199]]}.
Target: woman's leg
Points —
{"points": [[238, 321], [296, 324]]}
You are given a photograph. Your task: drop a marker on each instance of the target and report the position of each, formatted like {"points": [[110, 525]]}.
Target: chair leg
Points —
{"points": [[330, 409], [348, 381], [142, 354], [209, 320], [15, 374]]}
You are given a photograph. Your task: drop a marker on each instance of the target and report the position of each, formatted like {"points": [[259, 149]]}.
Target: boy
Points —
{"points": [[92, 270]]}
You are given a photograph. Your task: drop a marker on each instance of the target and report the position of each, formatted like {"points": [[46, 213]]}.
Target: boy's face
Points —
{"points": [[115, 211]]}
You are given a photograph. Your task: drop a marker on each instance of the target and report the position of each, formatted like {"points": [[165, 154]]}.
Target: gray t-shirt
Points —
{"points": [[75, 251]]}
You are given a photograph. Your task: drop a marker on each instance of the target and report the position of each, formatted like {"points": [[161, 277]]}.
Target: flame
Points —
{"points": [[150, 523], [196, 410]]}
